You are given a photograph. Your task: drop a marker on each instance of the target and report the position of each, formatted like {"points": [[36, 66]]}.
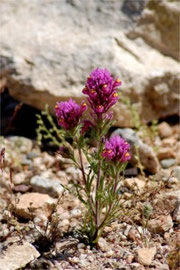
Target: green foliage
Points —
{"points": [[47, 232], [53, 134], [146, 214]]}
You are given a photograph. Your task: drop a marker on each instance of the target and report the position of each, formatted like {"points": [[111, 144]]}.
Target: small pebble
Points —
{"points": [[166, 163], [176, 172]]}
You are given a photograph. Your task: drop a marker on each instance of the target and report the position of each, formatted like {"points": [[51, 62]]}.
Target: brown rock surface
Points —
{"points": [[135, 183], [164, 130], [36, 201], [161, 224]]}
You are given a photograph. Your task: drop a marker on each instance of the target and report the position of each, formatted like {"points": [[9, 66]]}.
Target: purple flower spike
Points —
{"points": [[116, 149], [101, 89], [68, 113]]}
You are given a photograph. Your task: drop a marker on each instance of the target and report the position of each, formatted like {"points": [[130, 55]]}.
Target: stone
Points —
{"points": [[109, 253], [135, 184], [174, 198], [54, 65], [176, 172], [165, 153], [166, 163], [76, 213], [176, 213], [164, 130], [64, 224], [74, 173], [159, 26], [47, 159], [62, 213], [21, 188], [64, 245], [17, 256], [136, 266], [26, 162], [169, 142], [175, 194], [134, 235], [171, 181], [24, 145], [161, 266], [145, 256], [147, 155], [19, 178], [131, 172], [103, 245], [40, 203], [130, 258], [47, 186], [177, 150], [161, 224]]}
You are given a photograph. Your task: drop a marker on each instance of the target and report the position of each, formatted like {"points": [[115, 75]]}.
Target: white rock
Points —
{"points": [[176, 214], [164, 130], [102, 243], [76, 213], [176, 172], [64, 223], [23, 144], [159, 26], [109, 253], [19, 178], [48, 186], [17, 256], [48, 159], [145, 256], [54, 65], [175, 194]]}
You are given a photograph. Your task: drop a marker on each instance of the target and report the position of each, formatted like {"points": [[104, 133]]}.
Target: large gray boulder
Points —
{"points": [[159, 26], [49, 47]]}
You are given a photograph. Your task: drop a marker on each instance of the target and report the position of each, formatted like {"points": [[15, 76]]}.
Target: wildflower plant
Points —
{"points": [[99, 187]]}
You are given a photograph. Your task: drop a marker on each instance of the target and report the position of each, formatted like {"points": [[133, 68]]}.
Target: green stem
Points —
{"points": [[84, 181], [97, 199], [109, 210], [82, 166]]}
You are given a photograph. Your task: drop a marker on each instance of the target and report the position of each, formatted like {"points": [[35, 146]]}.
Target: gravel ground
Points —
{"points": [[30, 175]]}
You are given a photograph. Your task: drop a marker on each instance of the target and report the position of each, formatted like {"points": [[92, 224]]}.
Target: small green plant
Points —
{"points": [[146, 213], [99, 187], [48, 231], [53, 134]]}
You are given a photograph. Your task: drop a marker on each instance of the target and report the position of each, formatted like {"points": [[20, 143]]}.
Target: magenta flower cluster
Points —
{"points": [[116, 149], [69, 113], [101, 90]]}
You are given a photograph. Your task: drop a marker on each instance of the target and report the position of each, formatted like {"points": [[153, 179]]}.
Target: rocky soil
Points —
{"points": [[33, 181], [47, 50]]}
